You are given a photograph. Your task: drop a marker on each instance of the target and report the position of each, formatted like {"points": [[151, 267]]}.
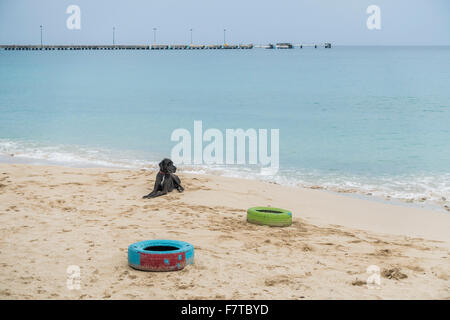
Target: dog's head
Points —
{"points": [[167, 166]]}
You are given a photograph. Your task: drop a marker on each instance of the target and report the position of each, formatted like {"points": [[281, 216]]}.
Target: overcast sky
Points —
{"points": [[342, 22]]}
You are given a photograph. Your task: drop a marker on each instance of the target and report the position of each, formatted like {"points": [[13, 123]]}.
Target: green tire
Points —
{"points": [[269, 216]]}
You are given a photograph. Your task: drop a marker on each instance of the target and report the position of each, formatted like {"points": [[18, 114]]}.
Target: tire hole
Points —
{"points": [[268, 211], [161, 248]]}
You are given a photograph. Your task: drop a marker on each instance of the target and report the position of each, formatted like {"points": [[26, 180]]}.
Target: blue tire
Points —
{"points": [[160, 255]]}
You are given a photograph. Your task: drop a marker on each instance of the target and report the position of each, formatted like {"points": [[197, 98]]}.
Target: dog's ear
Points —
{"points": [[161, 165]]}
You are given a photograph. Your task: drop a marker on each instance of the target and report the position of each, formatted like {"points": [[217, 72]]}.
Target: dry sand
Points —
{"points": [[53, 217]]}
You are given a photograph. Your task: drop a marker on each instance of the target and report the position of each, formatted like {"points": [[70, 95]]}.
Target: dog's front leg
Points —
{"points": [[156, 187], [157, 194], [165, 188]]}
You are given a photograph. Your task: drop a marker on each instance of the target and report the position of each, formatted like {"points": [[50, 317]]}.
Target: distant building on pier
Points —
{"points": [[284, 45]]}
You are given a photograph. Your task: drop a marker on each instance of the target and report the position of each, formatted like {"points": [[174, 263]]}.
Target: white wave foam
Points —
{"points": [[69, 155], [421, 188]]}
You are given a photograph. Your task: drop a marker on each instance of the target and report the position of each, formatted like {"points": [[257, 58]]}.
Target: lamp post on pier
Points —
{"points": [[154, 35]]}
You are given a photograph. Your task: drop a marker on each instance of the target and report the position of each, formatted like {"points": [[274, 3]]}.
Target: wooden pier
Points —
{"points": [[158, 47], [287, 45], [74, 47]]}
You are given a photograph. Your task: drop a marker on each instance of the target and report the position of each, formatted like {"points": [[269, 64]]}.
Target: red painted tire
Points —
{"points": [[160, 255]]}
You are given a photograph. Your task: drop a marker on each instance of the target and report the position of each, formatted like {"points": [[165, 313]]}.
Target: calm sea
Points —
{"points": [[370, 120]]}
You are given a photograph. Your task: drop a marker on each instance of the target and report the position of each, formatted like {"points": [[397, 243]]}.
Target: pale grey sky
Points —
{"points": [[343, 22]]}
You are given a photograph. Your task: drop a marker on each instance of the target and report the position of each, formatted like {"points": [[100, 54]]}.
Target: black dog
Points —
{"points": [[166, 180]]}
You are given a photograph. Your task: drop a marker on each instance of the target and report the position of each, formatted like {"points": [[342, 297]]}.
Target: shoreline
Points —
{"points": [[353, 193], [88, 217]]}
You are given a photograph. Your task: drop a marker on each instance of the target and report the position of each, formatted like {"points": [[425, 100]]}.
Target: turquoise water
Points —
{"points": [[371, 120]]}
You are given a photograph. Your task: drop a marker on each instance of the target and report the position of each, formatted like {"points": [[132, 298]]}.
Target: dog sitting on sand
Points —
{"points": [[166, 180]]}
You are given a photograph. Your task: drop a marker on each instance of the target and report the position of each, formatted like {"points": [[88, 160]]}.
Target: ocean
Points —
{"points": [[371, 121]]}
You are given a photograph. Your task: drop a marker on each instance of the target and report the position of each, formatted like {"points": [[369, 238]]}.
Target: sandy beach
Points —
{"points": [[53, 217]]}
